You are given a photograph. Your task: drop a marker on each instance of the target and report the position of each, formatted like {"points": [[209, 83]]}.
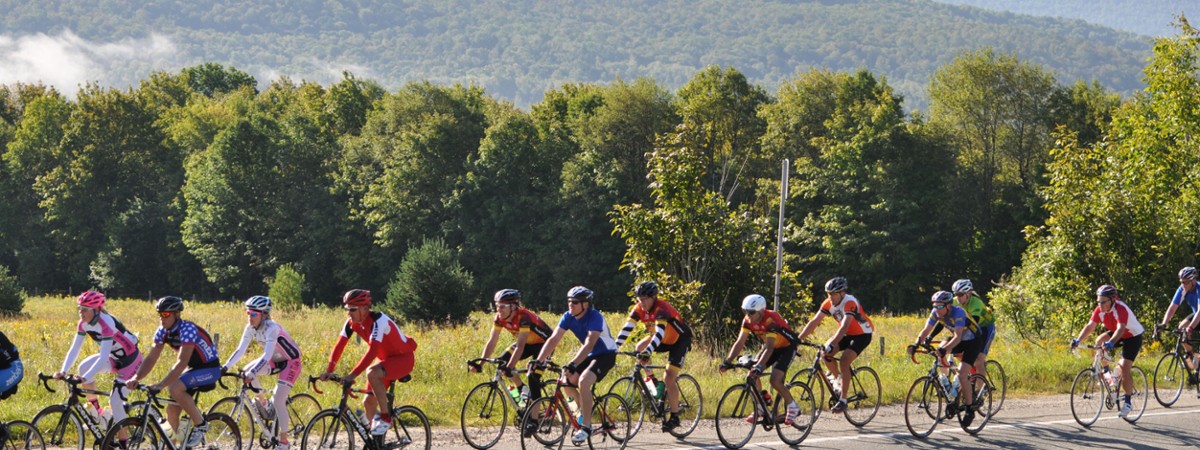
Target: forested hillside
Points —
{"points": [[1145, 17], [518, 49]]}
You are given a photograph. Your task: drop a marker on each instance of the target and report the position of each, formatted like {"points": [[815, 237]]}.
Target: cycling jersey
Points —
{"points": [[849, 307], [592, 321], [771, 325], [8, 352], [384, 340], [957, 317], [277, 345], [204, 352], [1118, 314], [979, 311], [1192, 297], [525, 320], [118, 346], [663, 320]]}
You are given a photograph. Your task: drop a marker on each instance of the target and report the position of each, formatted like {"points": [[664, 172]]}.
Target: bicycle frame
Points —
{"points": [[658, 406], [934, 374], [1100, 357], [499, 377], [343, 410], [152, 398], [270, 434]]}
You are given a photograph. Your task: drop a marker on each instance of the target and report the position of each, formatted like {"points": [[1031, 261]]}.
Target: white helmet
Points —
{"points": [[962, 286], [259, 303], [754, 302]]}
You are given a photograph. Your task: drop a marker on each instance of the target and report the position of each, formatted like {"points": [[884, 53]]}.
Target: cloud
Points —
{"points": [[67, 61]]}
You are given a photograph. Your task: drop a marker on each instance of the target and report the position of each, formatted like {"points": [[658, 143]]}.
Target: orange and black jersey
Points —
{"points": [[772, 325], [663, 320], [525, 320]]}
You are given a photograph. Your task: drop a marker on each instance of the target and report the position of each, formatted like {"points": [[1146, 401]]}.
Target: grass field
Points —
{"points": [[45, 330]]}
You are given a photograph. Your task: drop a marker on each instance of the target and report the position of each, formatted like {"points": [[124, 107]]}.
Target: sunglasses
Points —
{"points": [[940, 306], [574, 302], [253, 313], [749, 312], [1101, 302], [82, 308], [165, 314], [354, 309]]}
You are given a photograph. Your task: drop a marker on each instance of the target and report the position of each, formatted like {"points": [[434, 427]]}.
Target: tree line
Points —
{"points": [[197, 183]]}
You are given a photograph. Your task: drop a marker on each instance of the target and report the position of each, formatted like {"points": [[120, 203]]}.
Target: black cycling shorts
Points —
{"points": [[677, 351]]}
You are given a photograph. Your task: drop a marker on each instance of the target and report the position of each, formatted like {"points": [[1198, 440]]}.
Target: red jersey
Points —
{"points": [[384, 339]]}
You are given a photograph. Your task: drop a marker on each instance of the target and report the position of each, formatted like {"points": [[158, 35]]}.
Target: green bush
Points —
{"points": [[431, 285], [12, 297], [287, 289]]}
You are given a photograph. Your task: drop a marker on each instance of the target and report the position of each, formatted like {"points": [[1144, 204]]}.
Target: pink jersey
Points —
{"points": [[104, 326]]}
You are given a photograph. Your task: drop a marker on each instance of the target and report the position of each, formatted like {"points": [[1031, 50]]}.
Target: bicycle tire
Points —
{"points": [[808, 376], [611, 423], [549, 422], [60, 427], [1139, 398], [691, 406], [1170, 374], [410, 429], [627, 388], [795, 431], [484, 415], [982, 402], [924, 402], [999, 381], [865, 397], [223, 433], [301, 408], [243, 418], [1087, 397], [733, 408], [140, 436], [21, 435]]}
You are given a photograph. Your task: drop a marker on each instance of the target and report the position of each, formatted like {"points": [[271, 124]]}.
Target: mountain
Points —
{"points": [[1145, 17], [518, 49]]}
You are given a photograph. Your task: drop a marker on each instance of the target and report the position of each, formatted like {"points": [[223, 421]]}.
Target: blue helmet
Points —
{"points": [[580, 293], [1106, 291], [507, 296], [1187, 273]]}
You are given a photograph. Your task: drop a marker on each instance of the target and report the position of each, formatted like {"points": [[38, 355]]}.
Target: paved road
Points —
{"points": [[1043, 423]]}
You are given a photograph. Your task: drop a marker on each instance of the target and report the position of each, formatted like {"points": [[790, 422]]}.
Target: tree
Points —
{"points": [[212, 79], [431, 285]]}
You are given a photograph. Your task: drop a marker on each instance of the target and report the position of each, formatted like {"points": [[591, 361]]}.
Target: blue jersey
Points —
{"points": [[204, 352], [957, 317], [1192, 297], [592, 321]]}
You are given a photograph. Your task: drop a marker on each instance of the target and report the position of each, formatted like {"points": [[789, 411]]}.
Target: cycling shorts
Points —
{"points": [[195, 378], [988, 334], [10, 378], [968, 351], [676, 352], [529, 351], [600, 364], [1130, 347], [781, 358], [396, 367], [858, 343]]}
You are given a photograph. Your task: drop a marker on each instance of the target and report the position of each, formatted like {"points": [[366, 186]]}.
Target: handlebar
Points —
{"points": [[500, 363], [241, 377], [71, 380]]}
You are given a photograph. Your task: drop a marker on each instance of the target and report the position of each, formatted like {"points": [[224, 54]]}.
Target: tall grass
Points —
{"points": [[440, 380]]}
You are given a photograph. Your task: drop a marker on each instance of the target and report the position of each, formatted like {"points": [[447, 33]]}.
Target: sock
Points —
{"points": [[386, 418], [95, 404]]}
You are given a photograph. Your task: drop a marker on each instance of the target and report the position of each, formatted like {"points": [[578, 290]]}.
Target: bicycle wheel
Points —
{"points": [[628, 389], [410, 429], [809, 377], [549, 424], [328, 430], [981, 390], [924, 407], [1138, 398], [736, 416], [862, 402], [301, 408], [222, 434], [1087, 397], [60, 427], [999, 382], [241, 416], [141, 436], [21, 435], [793, 432], [484, 415], [611, 418], [691, 406], [1169, 375]]}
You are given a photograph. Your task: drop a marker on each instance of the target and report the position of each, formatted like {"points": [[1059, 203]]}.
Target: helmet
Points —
{"points": [[836, 284], [962, 286], [91, 299], [1106, 291], [754, 302], [357, 297], [1187, 273], [941, 297], [580, 293], [646, 289], [507, 296], [169, 303], [259, 303]]}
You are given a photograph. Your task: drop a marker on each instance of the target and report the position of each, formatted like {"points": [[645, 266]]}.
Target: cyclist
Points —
{"points": [[1123, 329], [530, 332], [969, 300], [1186, 293], [198, 365], [118, 352], [11, 368], [851, 338], [595, 358], [280, 356], [385, 342], [779, 347], [671, 335], [965, 343]]}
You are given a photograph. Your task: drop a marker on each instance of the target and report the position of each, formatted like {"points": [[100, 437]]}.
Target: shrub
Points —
{"points": [[431, 285], [12, 297], [287, 289]]}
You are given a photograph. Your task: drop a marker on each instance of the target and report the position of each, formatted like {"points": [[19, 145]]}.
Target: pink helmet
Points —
{"points": [[91, 299]]}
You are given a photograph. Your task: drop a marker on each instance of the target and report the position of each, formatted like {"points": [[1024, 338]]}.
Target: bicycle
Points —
{"points": [[637, 394], [300, 407], [20, 435], [146, 432], [1095, 384], [487, 402], [929, 400], [551, 417], [861, 405], [330, 428], [64, 424], [742, 407], [1172, 372]]}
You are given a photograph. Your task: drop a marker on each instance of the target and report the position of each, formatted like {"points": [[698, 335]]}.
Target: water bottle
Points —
{"points": [[1108, 378], [662, 389], [105, 417], [836, 382], [93, 416], [766, 396], [945, 383], [524, 401], [514, 393], [362, 417], [574, 410], [954, 388], [652, 385]]}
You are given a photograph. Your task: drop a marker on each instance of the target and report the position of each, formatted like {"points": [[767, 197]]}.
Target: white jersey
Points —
{"points": [[276, 343]]}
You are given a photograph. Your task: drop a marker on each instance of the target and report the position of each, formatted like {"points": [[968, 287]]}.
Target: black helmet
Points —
{"points": [[507, 296], [169, 303], [836, 284], [646, 289]]}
